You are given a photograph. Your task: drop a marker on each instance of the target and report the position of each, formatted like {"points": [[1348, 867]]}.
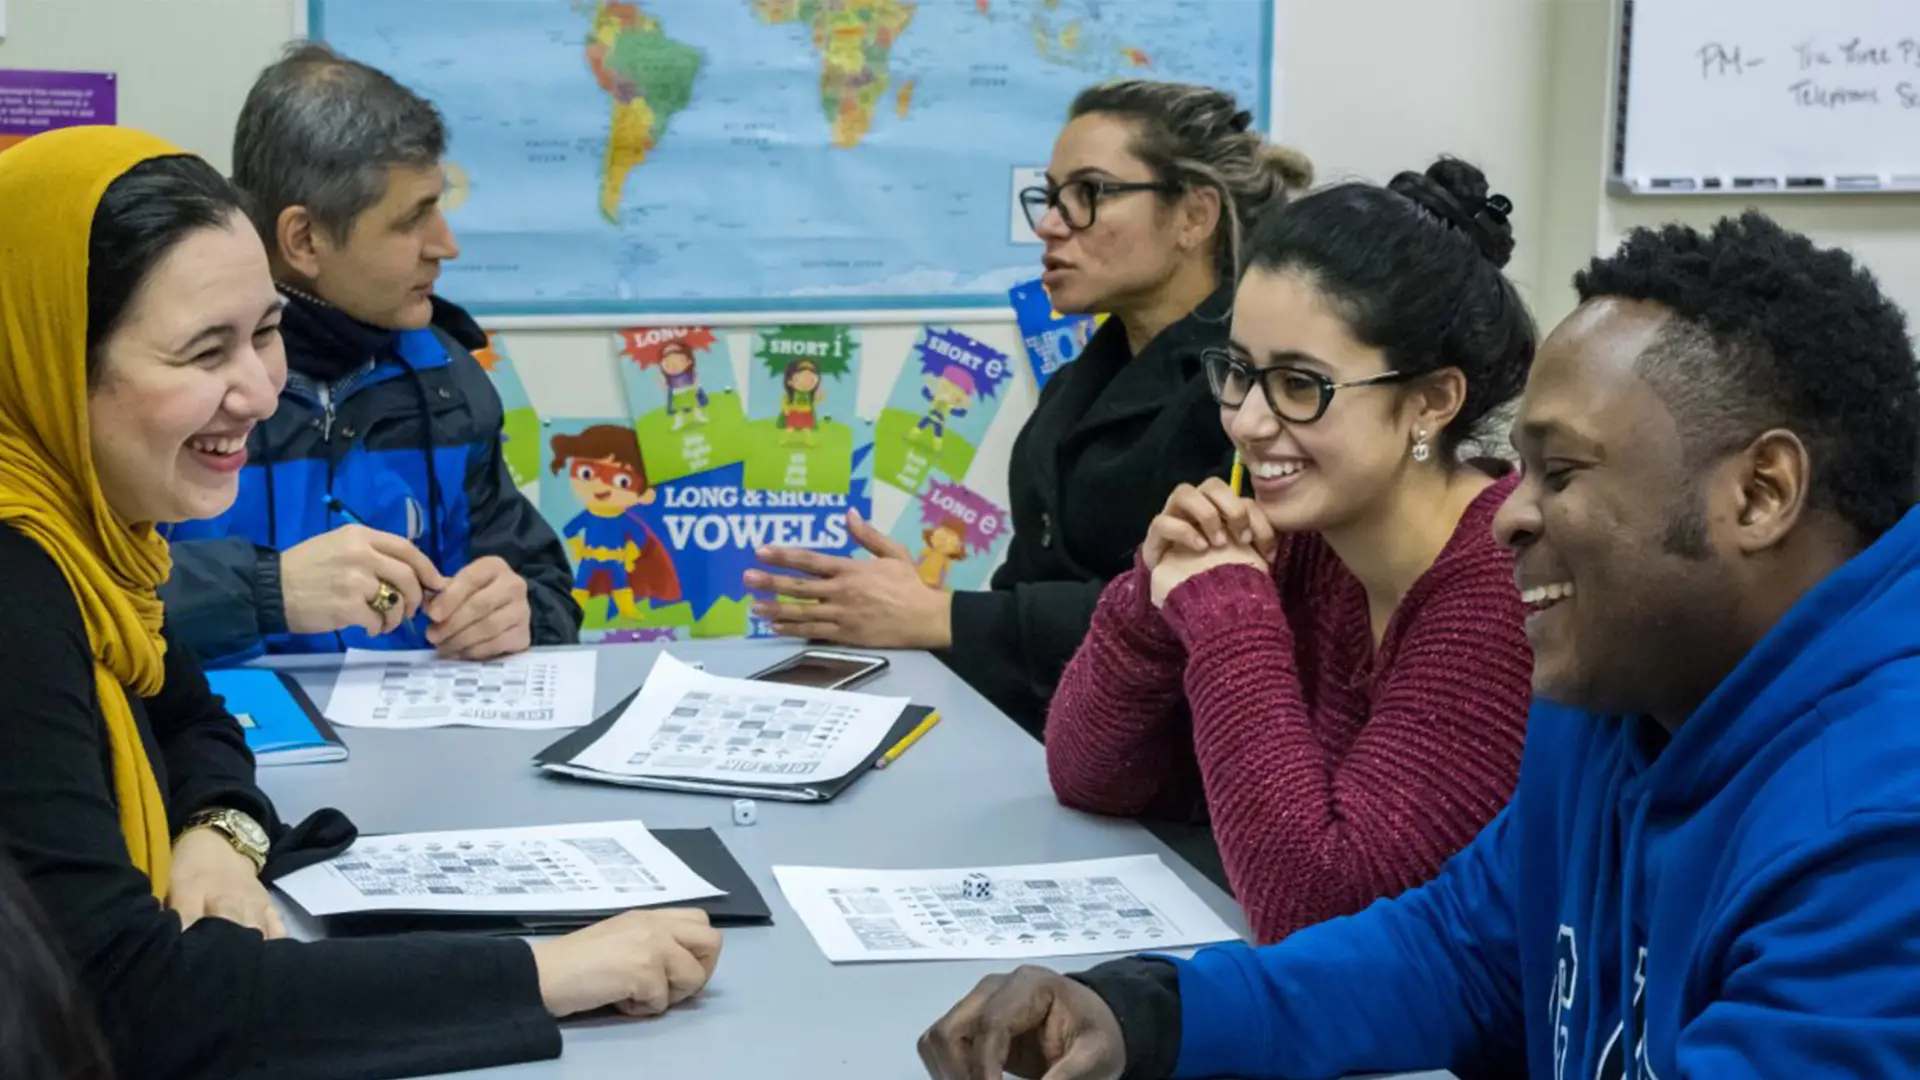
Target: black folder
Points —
{"points": [[563, 752], [701, 849]]}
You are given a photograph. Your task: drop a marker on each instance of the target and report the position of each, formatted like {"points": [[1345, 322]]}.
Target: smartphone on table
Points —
{"points": [[824, 669]]}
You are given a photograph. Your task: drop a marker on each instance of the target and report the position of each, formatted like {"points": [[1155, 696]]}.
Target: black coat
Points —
{"points": [[1112, 436]]}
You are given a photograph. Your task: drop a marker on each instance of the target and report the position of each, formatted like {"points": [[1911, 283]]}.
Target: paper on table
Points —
{"points": [[543, 689], [1124, 904], [686, 724], [544, 869], [377, 657]]}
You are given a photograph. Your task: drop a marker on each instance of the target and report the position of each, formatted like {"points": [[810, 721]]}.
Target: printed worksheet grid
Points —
{"points": [[739, 732], [1020, 911], [496, 868], [418, 691]]}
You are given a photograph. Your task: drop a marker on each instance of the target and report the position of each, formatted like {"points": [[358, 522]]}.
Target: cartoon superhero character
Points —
{"points": [[800, 399], [946, 545], [614, 552], [686, 401], [947, 394]]}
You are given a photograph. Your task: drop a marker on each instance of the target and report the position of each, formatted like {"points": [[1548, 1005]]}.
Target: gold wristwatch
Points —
{"points": [[241, 831]]}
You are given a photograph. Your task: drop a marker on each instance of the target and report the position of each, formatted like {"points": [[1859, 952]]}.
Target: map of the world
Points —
{"points": [[635, 156]]}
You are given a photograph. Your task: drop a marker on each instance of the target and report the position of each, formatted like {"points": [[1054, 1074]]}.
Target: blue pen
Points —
{"points": [[338, 507]]}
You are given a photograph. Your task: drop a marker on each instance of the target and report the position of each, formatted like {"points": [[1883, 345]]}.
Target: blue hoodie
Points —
{"points": [[1745, 902]]}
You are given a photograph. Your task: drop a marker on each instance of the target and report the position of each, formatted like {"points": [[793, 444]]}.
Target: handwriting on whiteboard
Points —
{"points": [[1834, 74]]}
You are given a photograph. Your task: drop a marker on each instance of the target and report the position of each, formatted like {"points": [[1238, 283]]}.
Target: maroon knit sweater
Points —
{"points": [[1334, 773]]}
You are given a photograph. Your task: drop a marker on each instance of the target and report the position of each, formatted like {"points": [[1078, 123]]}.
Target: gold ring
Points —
{"points": [[385, 600]]}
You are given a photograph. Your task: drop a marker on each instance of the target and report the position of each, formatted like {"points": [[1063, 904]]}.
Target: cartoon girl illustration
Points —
{"points": [[947, 393], [614, 552], [686, 401], [800, 400], [946, 545]]}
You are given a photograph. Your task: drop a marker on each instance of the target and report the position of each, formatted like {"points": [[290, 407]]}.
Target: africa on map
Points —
{"points": [[657, 156]]}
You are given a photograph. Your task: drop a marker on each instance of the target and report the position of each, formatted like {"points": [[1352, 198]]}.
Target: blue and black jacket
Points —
{"points": [[399, 431]]}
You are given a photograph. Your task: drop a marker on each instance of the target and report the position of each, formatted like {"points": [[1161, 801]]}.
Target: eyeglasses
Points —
{"points": [[1294, 394], [1077, 200]]}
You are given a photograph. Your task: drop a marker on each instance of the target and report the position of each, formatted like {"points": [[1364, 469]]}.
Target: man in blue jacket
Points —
{"points": [[1709, 868], [375, 509]]}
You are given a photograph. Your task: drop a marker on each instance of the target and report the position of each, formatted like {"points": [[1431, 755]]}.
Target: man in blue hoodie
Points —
{"points": [[375, 509], [1709, 868]]}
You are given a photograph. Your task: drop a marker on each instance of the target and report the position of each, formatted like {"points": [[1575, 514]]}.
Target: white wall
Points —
{"points": [[184, 65], [1372, 87], [1368, 87]]}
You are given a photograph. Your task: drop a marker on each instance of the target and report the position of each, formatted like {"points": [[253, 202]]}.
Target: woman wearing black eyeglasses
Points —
{"points": [[1334, 669], [1147, 193]]}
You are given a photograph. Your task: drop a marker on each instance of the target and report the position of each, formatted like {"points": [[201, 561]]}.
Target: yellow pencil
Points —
{"points": [[1239, 473], [911, 737]]}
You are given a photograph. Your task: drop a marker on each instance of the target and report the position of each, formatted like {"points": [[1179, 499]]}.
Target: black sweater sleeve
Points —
{"points": [[205, 753], [1144, 994], [215, 1000], [1012, 642]]}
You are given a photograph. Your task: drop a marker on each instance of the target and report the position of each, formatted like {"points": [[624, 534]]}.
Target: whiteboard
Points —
{"points": [[1739, 96]]}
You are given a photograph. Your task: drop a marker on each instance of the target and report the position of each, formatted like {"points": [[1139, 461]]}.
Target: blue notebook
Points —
{"points": [[282, 726]]}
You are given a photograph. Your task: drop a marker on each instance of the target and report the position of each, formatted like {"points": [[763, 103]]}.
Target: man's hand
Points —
{"points": [[482, 613], [1033, 1023], [210, 880], [328, 583], [880, 603]]}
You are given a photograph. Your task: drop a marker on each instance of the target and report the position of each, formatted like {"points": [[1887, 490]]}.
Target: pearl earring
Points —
{"points": [[1421, 450]]}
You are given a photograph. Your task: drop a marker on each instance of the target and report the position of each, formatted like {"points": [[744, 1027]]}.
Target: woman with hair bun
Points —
{"points": [[1333, 669]]}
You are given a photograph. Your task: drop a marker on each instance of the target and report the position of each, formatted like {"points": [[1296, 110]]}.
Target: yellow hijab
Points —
{"points": [[49, 186]]}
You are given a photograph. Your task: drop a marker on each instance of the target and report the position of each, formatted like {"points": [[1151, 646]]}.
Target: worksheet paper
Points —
{"points": [[545, 869], [1047, 909], [686, 724], [541, 689]]}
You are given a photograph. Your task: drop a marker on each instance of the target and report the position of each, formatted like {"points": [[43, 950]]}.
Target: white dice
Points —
{"points": [[977, 886], [745, 812]]}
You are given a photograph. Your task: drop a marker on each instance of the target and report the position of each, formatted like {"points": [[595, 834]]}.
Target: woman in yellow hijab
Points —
{"points": [[139, 346]]}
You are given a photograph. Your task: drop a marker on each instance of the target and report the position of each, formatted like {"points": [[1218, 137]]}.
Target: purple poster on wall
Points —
{"points": [[35, 101]]}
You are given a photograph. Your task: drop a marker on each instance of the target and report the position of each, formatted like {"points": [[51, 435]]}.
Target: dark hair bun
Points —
{"points": [[1456, 192]]}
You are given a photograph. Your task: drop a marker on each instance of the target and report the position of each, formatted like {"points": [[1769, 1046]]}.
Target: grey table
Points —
{"points": [[973, 792]]}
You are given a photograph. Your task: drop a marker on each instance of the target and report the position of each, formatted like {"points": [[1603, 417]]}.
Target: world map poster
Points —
{"points": [[677, 156]]}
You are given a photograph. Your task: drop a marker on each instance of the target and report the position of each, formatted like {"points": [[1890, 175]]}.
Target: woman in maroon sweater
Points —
{"points": [[1334, 670]]}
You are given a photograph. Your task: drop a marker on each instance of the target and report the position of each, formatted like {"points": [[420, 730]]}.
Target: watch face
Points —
{"points": [[249, 830]]}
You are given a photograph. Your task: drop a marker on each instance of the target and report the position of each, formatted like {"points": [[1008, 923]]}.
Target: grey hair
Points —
{"points": [[1196, 136], [319, 130]]}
